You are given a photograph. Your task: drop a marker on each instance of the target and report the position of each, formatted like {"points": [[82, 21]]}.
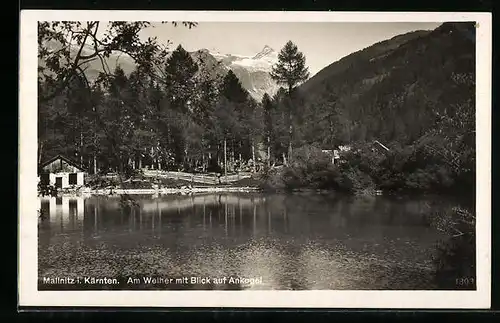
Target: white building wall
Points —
{"points": [[65, 180], [52, 179], [80, 179]]}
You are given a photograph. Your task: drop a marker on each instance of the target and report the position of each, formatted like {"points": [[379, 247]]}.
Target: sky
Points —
{"points": [[321, 42]]}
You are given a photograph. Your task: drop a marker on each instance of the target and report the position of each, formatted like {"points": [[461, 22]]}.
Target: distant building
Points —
{"points": [[380, 146], [331, 153], [336, 153], [344, 148], [61, 172]]}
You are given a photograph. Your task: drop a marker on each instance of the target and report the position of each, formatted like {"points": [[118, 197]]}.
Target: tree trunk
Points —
{"points": [[290, 130], [290, 143], [240, 149], [284, 160], [233, 151], [268, 151], [153, 159], [95, 155], [158, 160], [225, 157], [81, 149], [253, 157]]}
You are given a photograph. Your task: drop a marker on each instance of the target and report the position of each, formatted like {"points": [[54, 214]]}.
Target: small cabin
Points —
{"points": [[335, 154], [330, 153], [61, 172]]}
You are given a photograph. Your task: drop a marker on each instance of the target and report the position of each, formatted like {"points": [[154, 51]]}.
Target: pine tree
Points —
{"points": [[234, 101], [141, 115], [203, 112], [116, 120], [179, 79], [232, 89], [267, 106], [291, 70]]}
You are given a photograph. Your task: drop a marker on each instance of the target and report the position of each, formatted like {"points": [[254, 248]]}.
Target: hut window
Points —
{"points": [[72, 179]]}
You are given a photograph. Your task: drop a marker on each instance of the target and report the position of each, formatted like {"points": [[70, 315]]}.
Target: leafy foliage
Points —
{"points": [[456, 257]]}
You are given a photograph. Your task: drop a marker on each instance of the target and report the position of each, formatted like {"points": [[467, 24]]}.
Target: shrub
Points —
{"points": [[46, 189], [326, 178], [456, 257], [272, 179], [96, 181], [354, 180], [311, 168], [412, 167], [365, 168]]}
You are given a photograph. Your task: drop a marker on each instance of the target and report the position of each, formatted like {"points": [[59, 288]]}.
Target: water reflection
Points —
{"points": [[290, 241]]}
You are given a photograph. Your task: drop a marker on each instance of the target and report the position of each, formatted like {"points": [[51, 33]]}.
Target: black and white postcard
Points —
{"points": [[255, 159]]}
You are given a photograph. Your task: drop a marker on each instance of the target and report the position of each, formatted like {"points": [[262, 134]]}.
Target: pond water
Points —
{"points": [[267, 241]]}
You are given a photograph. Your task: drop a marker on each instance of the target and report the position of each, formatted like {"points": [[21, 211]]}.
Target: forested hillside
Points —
{"points": [[415, 93], [395, 90]]}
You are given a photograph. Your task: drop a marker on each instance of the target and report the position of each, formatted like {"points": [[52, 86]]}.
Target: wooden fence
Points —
{"points": [[197, 178]]}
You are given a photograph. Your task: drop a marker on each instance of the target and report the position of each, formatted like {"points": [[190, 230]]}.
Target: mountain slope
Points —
{"points": [[252, 71], [371, 53], [394, 90]]}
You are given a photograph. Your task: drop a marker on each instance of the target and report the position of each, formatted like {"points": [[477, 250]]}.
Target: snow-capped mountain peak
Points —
{"points": [[253, 71], [266, 51]]}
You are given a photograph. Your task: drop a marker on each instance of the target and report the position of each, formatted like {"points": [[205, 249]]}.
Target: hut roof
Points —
{"points": [[66, 159]]}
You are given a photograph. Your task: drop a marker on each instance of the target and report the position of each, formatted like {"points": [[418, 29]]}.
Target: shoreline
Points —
{"points": [[153, 191]]}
